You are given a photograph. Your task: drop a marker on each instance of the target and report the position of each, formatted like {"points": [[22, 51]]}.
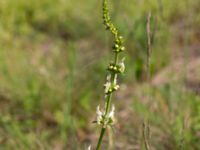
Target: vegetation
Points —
{"points": [[53, 55]]}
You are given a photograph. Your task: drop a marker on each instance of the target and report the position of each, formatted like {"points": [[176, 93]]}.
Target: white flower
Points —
{"points": [[107, 85], [116, 87], [103, 119], [89, 148], [112, 113], [108, 77], [99, 115], [115, 80], [122, 65]]}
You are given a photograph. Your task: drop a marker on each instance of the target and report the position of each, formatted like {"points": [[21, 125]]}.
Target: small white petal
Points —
{"points": [[107, 86], [99, 113], [122, 65], [112, 112], [89, 148], [108, 77]]}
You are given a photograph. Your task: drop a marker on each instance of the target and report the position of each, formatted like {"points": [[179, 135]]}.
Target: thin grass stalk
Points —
{"points": [[146, 128], [148, 30], [146, 135]]}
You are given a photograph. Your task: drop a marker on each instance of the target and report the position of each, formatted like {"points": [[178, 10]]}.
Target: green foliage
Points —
{"points": [[165, 112]]}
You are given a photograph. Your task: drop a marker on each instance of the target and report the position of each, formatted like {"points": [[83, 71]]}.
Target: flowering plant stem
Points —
{"points": [[101, 138], [106, 118]]}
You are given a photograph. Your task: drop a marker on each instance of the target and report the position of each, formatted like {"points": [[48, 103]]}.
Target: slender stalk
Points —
{"points": [[146, 128], [146, 135], [106, 118], [148, 30], [108, 103], [101, 138], [110, 138]]}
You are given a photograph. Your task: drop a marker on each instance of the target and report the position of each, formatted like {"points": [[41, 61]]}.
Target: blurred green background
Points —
{"points": [[53, 59]]}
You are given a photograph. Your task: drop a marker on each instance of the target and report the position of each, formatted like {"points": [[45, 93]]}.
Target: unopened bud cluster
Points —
{"points": [[117, 68], [106, 19], [118, 46]]}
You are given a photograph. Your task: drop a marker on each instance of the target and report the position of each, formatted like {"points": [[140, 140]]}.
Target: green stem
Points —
{"points": [[108, 103], [101, 138], [109, 25], [116, 58], [109, 98]]}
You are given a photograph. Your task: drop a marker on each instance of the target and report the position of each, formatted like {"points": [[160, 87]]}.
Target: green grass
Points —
{"points": [[53, 54]]}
